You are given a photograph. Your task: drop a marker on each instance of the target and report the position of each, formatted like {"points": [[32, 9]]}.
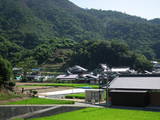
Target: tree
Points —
{"points": [[10, 50], [31, 40], [27, 64], [156, 48], [140, 63], [5, 73], [42, 53]]}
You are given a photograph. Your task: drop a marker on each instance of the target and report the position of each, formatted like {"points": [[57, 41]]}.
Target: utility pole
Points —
{"points": [[107, 93], [106, 79]]}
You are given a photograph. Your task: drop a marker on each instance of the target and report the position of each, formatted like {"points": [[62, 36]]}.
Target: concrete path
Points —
{"points": [[51, 105], [63, 92]]}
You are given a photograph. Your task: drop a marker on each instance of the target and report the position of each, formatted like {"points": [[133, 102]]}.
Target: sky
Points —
{"points": [[148, 9]]}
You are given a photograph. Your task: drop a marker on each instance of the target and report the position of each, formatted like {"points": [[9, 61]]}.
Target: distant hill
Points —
{"points": [[155, 21], [29, 23]]}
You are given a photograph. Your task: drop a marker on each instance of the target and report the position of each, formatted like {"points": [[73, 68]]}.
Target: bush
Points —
{"points": [[59, 60], [78, 96], [33, 93], [11, 84]]}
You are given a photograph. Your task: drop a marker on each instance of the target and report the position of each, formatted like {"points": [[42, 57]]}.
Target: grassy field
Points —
{"points": [[62, 85], [104, 114], [79, 96], [40, 101], [9, 96]]}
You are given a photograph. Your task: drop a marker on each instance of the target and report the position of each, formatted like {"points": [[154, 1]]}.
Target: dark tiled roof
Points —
{"points": [[152, 83], [130, 91]]}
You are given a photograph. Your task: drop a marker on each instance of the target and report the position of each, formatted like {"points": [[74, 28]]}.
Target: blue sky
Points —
{"points": [[144, 8]]}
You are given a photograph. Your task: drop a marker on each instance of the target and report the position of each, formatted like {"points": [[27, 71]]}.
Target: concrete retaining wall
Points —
{"points": [[26, 112], [7, 112], [55, 111]]}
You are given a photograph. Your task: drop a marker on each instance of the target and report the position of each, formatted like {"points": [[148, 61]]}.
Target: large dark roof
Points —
{"points": [[152, 83]]}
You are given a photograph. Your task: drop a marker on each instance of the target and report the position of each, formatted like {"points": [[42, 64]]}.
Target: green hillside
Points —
{"points": [[39, 28]]}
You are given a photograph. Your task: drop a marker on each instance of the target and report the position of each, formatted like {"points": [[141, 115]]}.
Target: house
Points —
{"points": [[39, 78], [17, 71], [76, 70], [36, 69], [154, 62], [80, 78], [18, 78], [126, 70], [67, 77], [156, 68], [35, 77], [135, 91], [92, 79]]}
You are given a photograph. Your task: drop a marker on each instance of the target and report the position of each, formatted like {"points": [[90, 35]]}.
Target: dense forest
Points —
{"points": [[114, 54], [54, 31]]}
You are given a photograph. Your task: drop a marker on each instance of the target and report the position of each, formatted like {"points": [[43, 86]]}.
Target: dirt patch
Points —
{"points": [[26, 91], [13, 100], [41, 89], [27, 83], [52, 89]]}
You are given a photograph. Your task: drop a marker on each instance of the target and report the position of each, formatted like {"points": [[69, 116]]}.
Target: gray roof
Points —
{"points": [[152, 83], [120, 69], [95, 90], [77, 68]]}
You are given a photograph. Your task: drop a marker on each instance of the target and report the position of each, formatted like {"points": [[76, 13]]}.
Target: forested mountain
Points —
{"points": [[31, 26]]}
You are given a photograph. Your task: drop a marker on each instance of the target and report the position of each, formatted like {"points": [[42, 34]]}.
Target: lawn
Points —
{"points": [[79, 96], [40, 101], [62, 85], [104, 114]]}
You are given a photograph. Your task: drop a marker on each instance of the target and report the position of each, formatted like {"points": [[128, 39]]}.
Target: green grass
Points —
{"points": [[104, 114], [7, 96], [40, 101], [62, 85], [79, 96], [18, 119]]}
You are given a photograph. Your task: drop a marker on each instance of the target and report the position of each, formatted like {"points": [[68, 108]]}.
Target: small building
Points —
{"points": [[94, 95], [135, 91], [18, 73]]}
